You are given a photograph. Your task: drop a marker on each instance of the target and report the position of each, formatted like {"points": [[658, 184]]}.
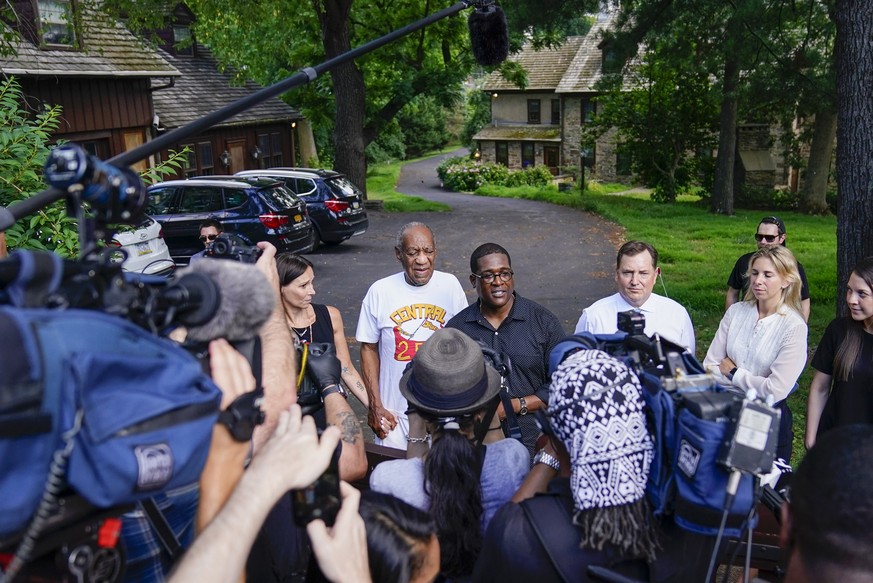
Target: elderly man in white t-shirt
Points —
{"points": [[636, 270], [398, 314]]}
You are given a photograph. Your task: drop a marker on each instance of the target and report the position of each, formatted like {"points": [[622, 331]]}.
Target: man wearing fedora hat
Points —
{"points": [[771, 231], [459, 481]]}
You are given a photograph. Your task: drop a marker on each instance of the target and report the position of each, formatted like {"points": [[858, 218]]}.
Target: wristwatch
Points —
{"points": [[543, 457], [731, 374], [334, 388], [522, 406]]}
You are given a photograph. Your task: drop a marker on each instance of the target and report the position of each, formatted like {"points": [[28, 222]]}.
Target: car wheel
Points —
{"points": [[316, 239]]}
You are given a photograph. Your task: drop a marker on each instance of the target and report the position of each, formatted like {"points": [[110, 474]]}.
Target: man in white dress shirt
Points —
{"points": [[636, 270]]}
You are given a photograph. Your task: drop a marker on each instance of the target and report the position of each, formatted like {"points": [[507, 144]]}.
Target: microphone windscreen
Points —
{"points": [[489, 36], [246, 301]]}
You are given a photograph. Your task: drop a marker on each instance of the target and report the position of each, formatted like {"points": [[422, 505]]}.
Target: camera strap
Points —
{"points": [[161, 527]]}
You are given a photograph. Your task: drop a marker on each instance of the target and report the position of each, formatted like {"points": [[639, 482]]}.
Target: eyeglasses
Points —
{"points": [[489, 277], [204, 238], [768, 238]]}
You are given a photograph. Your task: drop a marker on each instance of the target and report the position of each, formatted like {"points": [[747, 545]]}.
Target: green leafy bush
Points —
{"points": [[466, 175]]}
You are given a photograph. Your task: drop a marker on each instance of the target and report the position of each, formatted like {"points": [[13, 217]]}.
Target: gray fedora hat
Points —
{"points": [[448, 376]]}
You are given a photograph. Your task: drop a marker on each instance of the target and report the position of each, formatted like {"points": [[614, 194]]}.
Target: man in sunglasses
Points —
{"points": [[771, 231], [209, 230], [515, 326]]}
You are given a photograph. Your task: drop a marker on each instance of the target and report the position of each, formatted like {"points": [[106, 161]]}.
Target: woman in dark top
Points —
{"points": [[841, 392], [315, 322]]}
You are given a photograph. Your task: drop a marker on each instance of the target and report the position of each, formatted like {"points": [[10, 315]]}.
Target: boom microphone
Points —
{"points": [[489, 37], [246, 300]]}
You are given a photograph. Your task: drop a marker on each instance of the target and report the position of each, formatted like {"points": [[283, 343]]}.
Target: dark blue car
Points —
{"points": [[255, 209], [335, 205]]}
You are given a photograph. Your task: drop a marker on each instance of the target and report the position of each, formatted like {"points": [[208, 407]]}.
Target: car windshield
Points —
{"points": [[340, 186], [279, 198]]}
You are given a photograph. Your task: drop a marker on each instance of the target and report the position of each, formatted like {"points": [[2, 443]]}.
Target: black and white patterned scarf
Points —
{"points": [[596, 407]]}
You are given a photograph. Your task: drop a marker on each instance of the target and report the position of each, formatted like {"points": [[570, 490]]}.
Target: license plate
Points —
{"points": [[298, 218], [356, 205], [143, 248]]}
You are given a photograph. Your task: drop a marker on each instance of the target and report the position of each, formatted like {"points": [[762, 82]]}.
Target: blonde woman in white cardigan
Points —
{"points": [[761, 341]]}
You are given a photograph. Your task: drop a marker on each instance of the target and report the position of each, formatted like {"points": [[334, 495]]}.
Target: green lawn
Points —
{"points": [[382, 180], [698, 251]]}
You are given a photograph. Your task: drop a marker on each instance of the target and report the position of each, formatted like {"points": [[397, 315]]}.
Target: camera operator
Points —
{"points": [[149, 556], [591, 478], [210, 229]]}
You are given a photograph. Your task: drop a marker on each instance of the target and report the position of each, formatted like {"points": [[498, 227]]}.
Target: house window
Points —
{"points": [[589, 157], [588, 110], [182, 42], [556, 112], [98, 147], [270, 146], [501, 153], [56, 22], [609, 63], [527, 154], [533, 111], [623, 162], [191, 161], [207, 164]]}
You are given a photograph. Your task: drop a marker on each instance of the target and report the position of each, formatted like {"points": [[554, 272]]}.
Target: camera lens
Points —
{"points": [[220, 246]]}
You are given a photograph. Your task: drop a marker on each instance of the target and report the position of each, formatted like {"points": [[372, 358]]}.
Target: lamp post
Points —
{"points": [[584, 154]]}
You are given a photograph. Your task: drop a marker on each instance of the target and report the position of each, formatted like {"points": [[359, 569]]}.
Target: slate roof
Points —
{"points": [[109, 50], [203, 89], [545, 67], [520, 132], [575, 66], [585, 70]]}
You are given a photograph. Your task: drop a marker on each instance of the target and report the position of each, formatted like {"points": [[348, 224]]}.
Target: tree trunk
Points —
{"points": [[813, 196], [854, 55], [723, 188], [348, 91]]}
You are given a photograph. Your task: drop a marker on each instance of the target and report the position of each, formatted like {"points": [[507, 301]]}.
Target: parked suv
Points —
{"points": [[257, 209], [335, 204]]}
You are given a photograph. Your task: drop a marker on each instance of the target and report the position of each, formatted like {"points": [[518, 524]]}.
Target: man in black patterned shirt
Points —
{"points": [[521, 329]]}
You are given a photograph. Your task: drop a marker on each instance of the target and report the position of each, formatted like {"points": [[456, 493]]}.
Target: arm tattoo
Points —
{"points": [[349, 426], [345, 370]]}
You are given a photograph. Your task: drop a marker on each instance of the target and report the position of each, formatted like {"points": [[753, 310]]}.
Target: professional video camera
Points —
{"points": [[712, 443], [97, 409], [234, 247]]}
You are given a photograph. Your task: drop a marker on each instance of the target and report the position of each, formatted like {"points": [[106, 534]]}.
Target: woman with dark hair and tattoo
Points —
{"points": [[841, 392], [460, 482], [311, 322]]}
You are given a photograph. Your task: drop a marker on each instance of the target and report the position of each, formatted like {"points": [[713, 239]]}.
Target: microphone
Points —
{"points": [[245, 301], [489, 36]]}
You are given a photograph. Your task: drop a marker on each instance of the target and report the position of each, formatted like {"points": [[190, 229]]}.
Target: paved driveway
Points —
{"points": [[562, 258]]}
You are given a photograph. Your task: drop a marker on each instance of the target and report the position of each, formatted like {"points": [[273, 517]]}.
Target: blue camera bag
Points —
{"points": [[136, 410], [685, 481]]}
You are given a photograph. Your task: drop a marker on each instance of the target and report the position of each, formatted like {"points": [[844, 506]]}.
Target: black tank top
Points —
{"points": [[320, 331]]}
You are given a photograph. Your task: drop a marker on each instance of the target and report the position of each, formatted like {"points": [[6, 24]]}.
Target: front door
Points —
{"points": [[237, 156], [550, 158]]}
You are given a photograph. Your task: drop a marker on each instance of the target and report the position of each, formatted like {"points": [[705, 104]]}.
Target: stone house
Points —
{"points": [[542, 124]]}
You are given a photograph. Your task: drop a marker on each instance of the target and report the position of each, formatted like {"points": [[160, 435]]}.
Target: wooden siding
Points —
{"points": [[222, 137], [91, 105]]}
